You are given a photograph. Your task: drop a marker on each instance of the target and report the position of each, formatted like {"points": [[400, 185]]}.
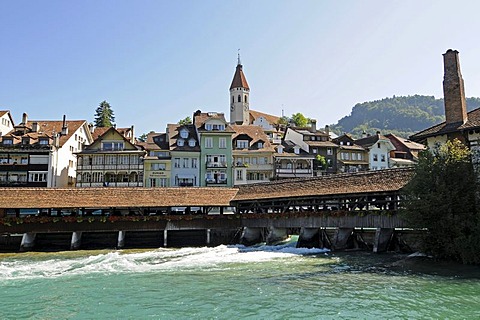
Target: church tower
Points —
{"points": [[239, 97]]}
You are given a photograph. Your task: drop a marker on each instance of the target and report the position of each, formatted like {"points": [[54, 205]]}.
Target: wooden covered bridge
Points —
{"points": [[132, 217]]}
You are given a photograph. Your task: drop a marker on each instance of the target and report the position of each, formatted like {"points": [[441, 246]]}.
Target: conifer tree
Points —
{"points": [[104, 115]]}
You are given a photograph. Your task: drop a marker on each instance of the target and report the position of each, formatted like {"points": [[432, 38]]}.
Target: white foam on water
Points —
{"points": [[24, 267]]}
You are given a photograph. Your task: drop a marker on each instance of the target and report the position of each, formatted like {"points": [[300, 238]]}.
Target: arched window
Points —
{"points": [[233, 99], [246, 100], [239, 98]]}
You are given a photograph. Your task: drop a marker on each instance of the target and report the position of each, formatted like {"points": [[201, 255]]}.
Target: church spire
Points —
{"points": [[239, 96]]}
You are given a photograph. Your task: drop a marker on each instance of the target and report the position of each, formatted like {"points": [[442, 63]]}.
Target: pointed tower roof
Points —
{"points": [[239, 80]]}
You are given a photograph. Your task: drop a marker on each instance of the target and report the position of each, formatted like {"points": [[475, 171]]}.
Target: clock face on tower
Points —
{"points": [[232, 107]]}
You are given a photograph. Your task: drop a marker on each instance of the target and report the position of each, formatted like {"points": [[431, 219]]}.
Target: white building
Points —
{"points": [[379, 148]]}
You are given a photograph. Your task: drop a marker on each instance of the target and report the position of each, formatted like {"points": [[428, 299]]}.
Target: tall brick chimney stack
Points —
{"points": [[453, 89]]}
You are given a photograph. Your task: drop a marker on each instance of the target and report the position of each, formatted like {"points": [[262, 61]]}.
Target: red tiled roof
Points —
{"points": [[239, 80], [270, 118], [337, 184]]}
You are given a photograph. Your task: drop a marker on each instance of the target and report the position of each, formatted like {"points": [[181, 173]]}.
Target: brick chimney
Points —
{"points": [[453, 89]]}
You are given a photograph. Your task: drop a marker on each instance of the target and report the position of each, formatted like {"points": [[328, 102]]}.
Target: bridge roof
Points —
{"points": [[100, 198], [389, 180]]}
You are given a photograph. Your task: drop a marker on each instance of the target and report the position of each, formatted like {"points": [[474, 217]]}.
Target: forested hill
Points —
{"points": [[402, 116]]}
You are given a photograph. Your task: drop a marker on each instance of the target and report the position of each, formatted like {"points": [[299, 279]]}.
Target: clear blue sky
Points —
{"points": [[158, 61]]}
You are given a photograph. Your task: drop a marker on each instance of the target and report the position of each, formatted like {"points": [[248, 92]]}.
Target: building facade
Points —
{"points": [[157, 162], [185, 152]]}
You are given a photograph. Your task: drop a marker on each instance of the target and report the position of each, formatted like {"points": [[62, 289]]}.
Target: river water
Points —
{"points": [[233, 282]]}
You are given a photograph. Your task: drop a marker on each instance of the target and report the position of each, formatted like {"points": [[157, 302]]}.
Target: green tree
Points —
{"points": [[321, 162], [104, 115], [284, 120], [142, 137], [185, 121], [300, 120], [441, 197]]}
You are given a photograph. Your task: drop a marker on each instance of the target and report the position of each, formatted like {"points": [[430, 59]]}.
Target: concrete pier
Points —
{"points": [[121, 239], [76, 242], [342, 235], [28, 241], [382, 239], [276, 235], [309, 238], [251, 236], [165, 238]]}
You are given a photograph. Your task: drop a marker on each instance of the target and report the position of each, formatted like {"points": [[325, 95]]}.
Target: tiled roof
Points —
{"points": [[239, 80], [402, 143], [256, 133], [202, 117], [113, 197], [47, 128], [370, 140], [270, 118], [363, 182], [472, 123], [174, 135], [100, 131], [322, 144], [154, 141]]}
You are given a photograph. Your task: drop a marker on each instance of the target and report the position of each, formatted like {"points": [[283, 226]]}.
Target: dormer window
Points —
{"points": [[341, 143], [214, 127], [180, 142], [242, 144], [8, 141], [296, 149], [260, 145], [26, 140], [348, 143], [191, 143], [43, 141], [184, 134], [280, 149]]}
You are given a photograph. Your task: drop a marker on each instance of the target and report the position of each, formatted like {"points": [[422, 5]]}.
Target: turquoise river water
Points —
{"points": [[234, 282]]}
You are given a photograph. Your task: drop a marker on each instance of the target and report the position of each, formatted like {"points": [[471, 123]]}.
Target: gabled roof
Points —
{"points": [[389, 180], [101, 133], [472, 123], [239, 80], [154, 141], [255, 133], [174, 134], [47, 128], [371, 140], [3, 112], [200, 118], [401, 143], [114, 197], [347, 138], [271, 119]]}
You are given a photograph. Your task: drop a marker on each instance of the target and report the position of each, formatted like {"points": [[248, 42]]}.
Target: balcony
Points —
{"points": [[108, 184], [216, 164], [293, 173], [216, 181]]}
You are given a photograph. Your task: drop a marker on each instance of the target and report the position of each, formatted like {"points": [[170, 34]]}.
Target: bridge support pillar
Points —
{"points": [[382, 239], [341, 238], [28, 241], [165, 238], [251, 236], [208, 237], [76, 241], [275, 235], [121, 239], [309, 238]]}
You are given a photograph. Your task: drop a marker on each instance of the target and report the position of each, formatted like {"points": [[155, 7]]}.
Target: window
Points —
{"points": [[26, 140], [153, 182], [158, 166], [242, 144], [123, 159], [70, 163], [246, 100], [260, 145], [359, 156], [180, 142], [191, 143], [222, 143], [185, 162], [43, 141], [37, 177], [382, 157], [378, 145], [329, 163], [239, 175], [314, 150], [7, 141], [111, 146], [375, 157], [233, 99], [329, 151], [354, 156], [184, 134], [176, 162], [262, 160], [208, 143], [194, 162], [239, 98]]}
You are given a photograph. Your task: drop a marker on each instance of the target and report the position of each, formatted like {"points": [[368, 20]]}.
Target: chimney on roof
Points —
{"points": [[327, 130], [35, 127], [453, 89], [91, 127], [132, 138], [24, 119], [378, 132], [313, 125], [64, 126]]}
